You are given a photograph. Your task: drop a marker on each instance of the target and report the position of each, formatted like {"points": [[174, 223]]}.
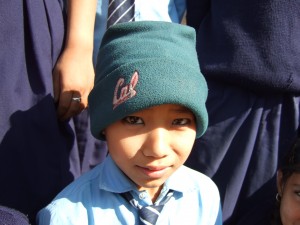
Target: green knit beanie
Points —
{"points": [[143, 64]]}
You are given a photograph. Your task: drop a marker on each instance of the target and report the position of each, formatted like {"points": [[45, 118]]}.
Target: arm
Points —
{"points": [[73, 75]]}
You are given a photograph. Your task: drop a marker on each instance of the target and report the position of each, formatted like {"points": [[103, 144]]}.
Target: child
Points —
{"points": [[288, 186], [148, 103]]}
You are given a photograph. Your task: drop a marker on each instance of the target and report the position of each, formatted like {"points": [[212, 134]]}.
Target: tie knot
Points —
{"points": [[120, 11], [149, 214]]}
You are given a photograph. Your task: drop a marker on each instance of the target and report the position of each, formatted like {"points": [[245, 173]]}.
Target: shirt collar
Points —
{"points": [[112, 179], [179, 181]]}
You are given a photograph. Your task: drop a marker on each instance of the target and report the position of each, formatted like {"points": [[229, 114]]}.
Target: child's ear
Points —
{"points": [[279, 182], [103, 132]]}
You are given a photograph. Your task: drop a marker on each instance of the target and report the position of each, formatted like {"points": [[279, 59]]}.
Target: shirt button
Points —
{"points": [[142, 195]]}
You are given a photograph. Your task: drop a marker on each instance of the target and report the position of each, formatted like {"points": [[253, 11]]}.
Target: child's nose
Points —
{"points": [[157, 143]]}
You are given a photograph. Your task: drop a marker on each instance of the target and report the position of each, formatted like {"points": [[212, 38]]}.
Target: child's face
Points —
{"points": [[290, 201], [148, 146]]}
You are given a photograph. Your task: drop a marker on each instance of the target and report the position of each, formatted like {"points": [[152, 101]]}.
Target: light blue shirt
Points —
{"points": [[93, 199], [155, 10]]}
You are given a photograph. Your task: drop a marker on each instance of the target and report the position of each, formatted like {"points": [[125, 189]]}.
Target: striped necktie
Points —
{"points": [[120, 11], [148, 215]]}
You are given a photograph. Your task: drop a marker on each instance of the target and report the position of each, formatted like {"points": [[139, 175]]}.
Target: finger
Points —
{"points": [[64, 104], [56, 85], [75, 107], [84, 101]]}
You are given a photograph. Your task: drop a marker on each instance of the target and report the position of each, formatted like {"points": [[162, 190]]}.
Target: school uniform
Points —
{"points": [[38, 154], [95, 198], [249, 53]]}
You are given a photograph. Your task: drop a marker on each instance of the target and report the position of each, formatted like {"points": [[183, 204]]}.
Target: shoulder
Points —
{"points": [[192, 182], [82, 184], [70, 203], [199, 192], [196, 179]]}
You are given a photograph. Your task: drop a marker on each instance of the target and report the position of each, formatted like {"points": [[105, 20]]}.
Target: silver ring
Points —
{"points": [[77, 99]]}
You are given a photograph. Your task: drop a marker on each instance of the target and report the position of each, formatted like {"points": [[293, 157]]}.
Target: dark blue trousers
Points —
{"points": [[248, 135]]}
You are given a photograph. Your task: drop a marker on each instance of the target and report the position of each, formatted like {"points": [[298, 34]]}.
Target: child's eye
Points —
{"points": [[297, 193], [181, 122], [133, 120]]}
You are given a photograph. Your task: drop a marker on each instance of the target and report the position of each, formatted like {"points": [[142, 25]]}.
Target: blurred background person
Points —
{"points": [[249, 53], [46, 75]]}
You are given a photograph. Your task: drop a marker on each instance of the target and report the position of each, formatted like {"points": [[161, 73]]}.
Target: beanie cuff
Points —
{"points": [[152, 88]]}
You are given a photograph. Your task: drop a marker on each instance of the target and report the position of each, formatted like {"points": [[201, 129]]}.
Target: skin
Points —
{"points": [[150, 145], [73, 74], [290, 199]]}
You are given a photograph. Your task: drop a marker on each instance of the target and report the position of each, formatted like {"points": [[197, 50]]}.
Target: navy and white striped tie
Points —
{"points": [[120, 11], [148, 215]]}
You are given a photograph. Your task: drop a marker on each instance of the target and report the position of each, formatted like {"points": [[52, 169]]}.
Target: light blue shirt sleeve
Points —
{"points": [[155, 10]]}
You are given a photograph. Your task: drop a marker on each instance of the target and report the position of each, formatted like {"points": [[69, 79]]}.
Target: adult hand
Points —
{"points": [[73, 77]]}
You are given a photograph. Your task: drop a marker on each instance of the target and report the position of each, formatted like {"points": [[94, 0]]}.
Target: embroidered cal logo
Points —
{"points": [[127, 91]]}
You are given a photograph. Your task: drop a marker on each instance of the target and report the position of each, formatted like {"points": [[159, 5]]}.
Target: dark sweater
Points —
{"points": [[254, 44]]}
